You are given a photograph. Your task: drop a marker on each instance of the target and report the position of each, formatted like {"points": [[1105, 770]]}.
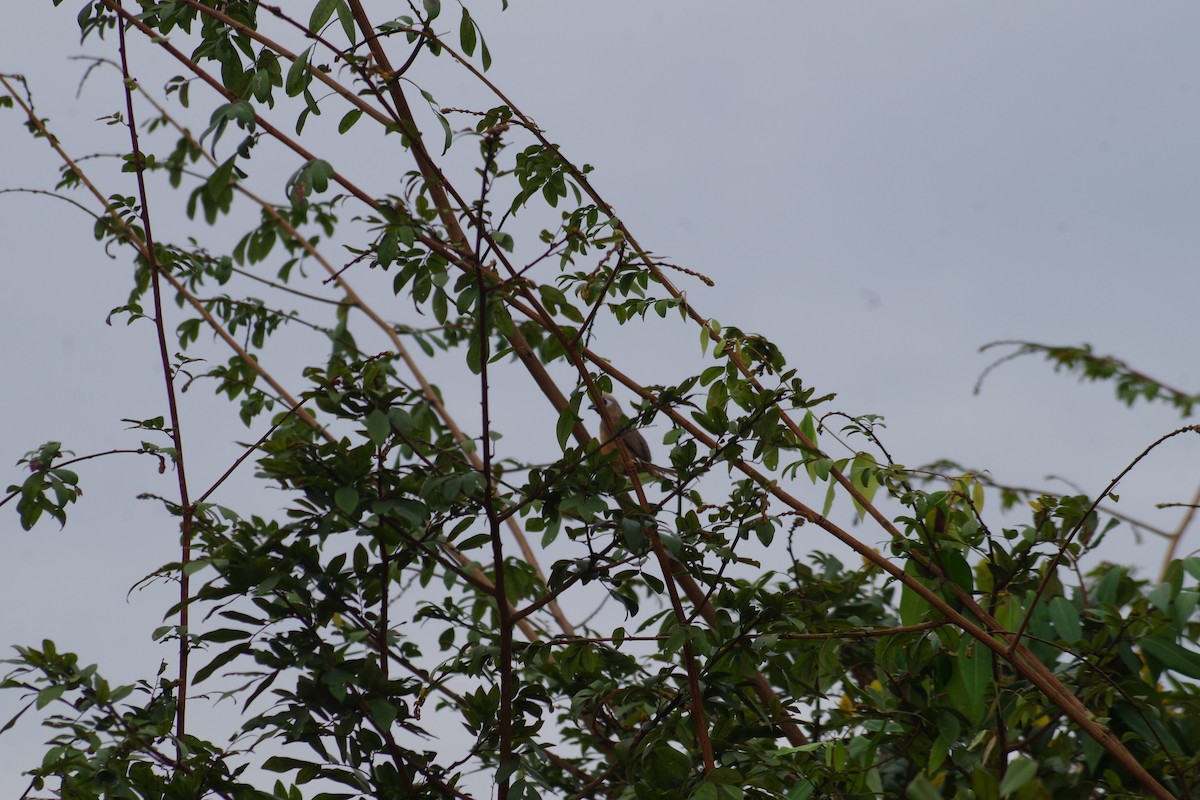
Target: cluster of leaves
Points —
{"points": [[1130, 384], [109, 738], [386, 614], [49, 489]]}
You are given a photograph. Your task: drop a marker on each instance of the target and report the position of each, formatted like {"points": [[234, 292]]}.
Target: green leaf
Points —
{"points": [[830, 494], [441, 118], [466, 33], [319, 172], [863, 470], [1145, 725], [286, 764], [808, 427], [937, 754], [913, 607], [1065, 617], [218, 183], [802, 790], [383, 713], [321, 14], [188, 331], [48, 695], [65, 475], [1192, 565], [440, 305], [968, 688], [402, 420], [1161, 596], [920, 788], [348, 121], [1183, 607], [346, 499], [298, 75], [634, 532], [958, 570], [667, 768], [1093, 752], [485, 55], [566, 421], [220, 660], [985, 784], [225, 635], [347, 19], [1106, 590], [194, 566], [1173, 657], [379, 426], [1020, 771]]}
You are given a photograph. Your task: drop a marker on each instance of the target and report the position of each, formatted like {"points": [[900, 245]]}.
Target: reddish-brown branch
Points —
{"points": [[503, 609], [186, 510]]}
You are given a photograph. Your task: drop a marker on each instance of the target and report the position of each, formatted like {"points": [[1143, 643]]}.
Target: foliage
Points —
{"points": [[1130, 384], [400, 600]]}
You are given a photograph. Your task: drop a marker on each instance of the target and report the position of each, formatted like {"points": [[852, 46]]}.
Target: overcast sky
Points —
{"points": [[879, 188]]}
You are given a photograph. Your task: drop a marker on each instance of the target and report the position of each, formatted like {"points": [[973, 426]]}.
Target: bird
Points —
{"points": [[615, 425]]}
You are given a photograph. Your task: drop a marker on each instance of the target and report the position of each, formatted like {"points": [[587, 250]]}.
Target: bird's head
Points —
{"points": [[609, 407], [607, 403]]}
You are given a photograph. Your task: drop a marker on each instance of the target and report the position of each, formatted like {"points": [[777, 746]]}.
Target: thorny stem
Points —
{"points": [[503, 609], [385, 578], [186, 510]]}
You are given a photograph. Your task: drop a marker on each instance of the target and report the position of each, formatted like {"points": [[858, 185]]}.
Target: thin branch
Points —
{"points": [[186, 509], [491, 141], [248, 451], [70, 461], [1050, 570]]}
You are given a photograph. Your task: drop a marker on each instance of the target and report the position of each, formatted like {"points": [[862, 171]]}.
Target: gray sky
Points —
{"points": [[879, 188]]}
